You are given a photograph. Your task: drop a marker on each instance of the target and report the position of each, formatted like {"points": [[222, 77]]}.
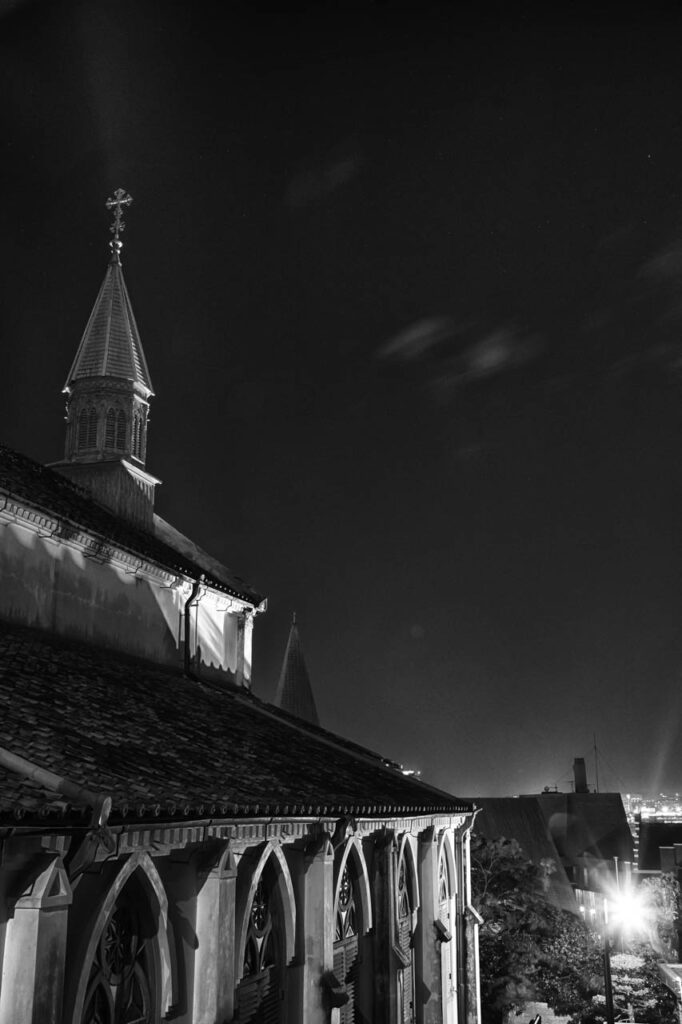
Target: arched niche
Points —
{"points": [[138, 870]]}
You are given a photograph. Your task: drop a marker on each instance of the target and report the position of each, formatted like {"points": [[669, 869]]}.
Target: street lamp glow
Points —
{"points": [[627, 909]]}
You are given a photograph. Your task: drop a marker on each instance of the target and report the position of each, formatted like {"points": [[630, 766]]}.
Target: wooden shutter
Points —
{"points": [[405, 941], [258, 999], [346, 969]]}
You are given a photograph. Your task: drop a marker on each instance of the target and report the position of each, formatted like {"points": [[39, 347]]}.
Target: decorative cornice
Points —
{"points": [[98, 548], [164, 838]]}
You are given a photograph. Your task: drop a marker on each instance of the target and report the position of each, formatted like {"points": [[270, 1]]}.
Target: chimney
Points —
{"points": [[580, 775]]}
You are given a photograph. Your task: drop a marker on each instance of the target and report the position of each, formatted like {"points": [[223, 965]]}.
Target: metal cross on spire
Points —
{"points": [[119, 199]]}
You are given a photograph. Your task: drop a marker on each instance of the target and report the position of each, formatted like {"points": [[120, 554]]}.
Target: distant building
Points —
{"points": [[520, 818], [586, 836], [593, 839], [172, 847]]}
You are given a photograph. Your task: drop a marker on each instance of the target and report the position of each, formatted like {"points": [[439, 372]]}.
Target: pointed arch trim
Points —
{"points": [[246, 891], [139, 861], [446, 850], [353, 851], [406, 849]]}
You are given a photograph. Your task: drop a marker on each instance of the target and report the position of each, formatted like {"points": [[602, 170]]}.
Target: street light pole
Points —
{"points": [[608, 985]]}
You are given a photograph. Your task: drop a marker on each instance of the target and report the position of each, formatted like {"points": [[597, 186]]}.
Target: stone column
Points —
{"points": [[214, 961], [385, 939], [312, 872], [242, 671], [428, 984], [468, 920], [35, 947], [248, 648]]}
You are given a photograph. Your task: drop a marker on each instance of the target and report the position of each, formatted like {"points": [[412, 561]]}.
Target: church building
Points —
{"points": [[172, 848]]}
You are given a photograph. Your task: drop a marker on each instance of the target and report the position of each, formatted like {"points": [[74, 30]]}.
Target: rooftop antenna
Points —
{"points": [[596, 759]]}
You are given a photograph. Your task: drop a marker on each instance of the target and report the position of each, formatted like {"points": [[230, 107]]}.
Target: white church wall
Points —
{"points": [[54, 584]]}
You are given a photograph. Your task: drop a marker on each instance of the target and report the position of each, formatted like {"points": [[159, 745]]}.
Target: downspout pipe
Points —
{"points": [[75, 794], [188, 625]]}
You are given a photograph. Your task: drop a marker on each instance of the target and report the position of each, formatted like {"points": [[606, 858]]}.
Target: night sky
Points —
{"points": [[409, 284]]}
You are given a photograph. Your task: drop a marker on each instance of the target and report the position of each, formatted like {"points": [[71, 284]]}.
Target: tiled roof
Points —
{"points": [[294, 692], [46, 490], [110, 346], [163, 745]]}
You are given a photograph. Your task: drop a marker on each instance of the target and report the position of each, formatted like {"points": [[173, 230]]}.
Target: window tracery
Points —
{"points": [[346, 918], [404, 902], [443, 880], [405, 973], [121, 984], [447, 949], [258, 993], [259, 952], [346, 941]]}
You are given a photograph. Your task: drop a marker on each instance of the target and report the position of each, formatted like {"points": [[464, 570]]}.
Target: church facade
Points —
{"points": [[173, 848]]}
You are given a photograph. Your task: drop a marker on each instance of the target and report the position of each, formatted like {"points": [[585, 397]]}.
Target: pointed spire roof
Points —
{"points": [[294, 692], [111, 346]]}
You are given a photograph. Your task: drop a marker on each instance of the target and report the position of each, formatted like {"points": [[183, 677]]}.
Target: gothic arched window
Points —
{"points": [[443, 880], [110, 429], [346, 956], [406, 972], [87, 429], [258, 992], [120, 430], [121, 987], [92, 428], [115, 432], [447, 949]]}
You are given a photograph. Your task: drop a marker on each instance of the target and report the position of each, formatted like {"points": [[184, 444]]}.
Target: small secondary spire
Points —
{"points": [[119, 199], [294, 692]]}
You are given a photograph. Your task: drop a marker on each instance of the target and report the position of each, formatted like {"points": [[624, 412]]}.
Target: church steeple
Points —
{"points": [[107, 396], [294, 692]]}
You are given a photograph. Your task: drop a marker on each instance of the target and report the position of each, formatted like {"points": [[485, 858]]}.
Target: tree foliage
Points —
{"points": [[531, 950], [661, 903]]}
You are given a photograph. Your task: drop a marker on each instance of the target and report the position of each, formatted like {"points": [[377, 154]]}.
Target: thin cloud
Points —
{"points": [[665, 265], [454, 353], [316, 181], [417, 339], [497, 352]]}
